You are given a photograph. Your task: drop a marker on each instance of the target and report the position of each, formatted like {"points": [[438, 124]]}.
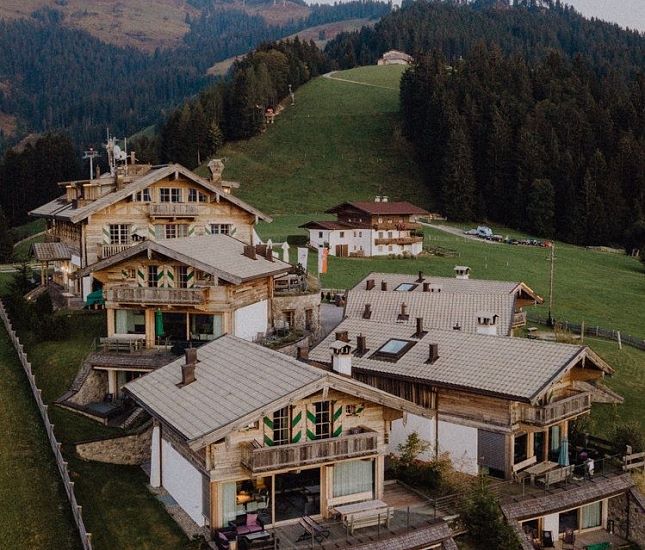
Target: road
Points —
{"points": [[458, 232], [331, 76]]}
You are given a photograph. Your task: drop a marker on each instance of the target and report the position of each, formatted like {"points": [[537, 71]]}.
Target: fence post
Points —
{"points": [[620, 343]]}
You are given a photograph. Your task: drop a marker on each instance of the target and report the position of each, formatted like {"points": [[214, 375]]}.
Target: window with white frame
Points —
{"points": [[322, 413], [142, 196], [196, 196], [282, 426], [220, 228], [171, 230], [353, 477], [320, 234], [170, 194], [182, 276], [119, 233], [153, 274]]}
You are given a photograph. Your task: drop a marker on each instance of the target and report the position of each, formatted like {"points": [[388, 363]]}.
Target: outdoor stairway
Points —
{"points": [[134, 416]]}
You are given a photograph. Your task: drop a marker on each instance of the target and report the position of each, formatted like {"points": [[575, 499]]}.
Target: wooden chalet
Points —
{"points": [[501, 401]]}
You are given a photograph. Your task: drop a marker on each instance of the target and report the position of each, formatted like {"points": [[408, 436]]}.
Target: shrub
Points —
{"points": [[413, 447], [628, 433]]}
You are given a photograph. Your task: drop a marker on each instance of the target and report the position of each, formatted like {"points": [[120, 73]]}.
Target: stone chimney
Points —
{"points": [[249, 251], [456, 326], [377, 198], [188, 368], [383, 285], [420, 333], [384, 198], [433, 353], [367, 313], [361, 345], [426, 287], [403, 316], [269, 254], [420, 278], [302, 353], [487, 323], [216, 166], [369, 284], [462, 272], [341, 354]]}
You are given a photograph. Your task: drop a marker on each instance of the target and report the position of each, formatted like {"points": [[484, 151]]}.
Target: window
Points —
{"points": [[221, 228], [360, 233], [309, 319], [196, 196], [129, 321], [342, 235], [130, 273], [153, 276], [389, 248], [171, 230], [142, 196], [405, 287], [591, 515], [202, 275], [393, 349], [119, 233], [354, 234], [389, 234], [322, 413], [320, 234], [356, 476], [289, 317], [380, 234], [182, 277], [281, 426], [205, 327], [170, 194]]}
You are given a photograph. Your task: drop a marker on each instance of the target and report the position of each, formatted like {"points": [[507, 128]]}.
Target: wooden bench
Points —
{"points": [[518, 473], [313, 529], [122, 344], [368, 518], [556, 476]]}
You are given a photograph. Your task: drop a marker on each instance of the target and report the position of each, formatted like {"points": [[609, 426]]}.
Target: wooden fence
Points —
{"points": [[600, 332], [86, 538]]}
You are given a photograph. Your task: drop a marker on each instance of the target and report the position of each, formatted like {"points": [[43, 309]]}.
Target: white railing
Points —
{"points": [[77, 511]]}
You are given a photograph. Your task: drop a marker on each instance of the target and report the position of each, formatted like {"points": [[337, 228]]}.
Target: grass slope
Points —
{"points": [[338, 142]]}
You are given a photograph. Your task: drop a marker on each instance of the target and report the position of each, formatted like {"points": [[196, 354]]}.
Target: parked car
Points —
{"points": [[484, 231], [470, 232]]}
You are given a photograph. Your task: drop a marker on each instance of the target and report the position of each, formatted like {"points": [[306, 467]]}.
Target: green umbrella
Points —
{"points": [[159, 323]]}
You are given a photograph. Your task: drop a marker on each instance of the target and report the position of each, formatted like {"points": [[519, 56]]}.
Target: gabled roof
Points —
{"points": [[450, 284], [47, 252], [61, 209], [511, 368], [331, 225], [401, 208], [440, 310], [220, 255], [237, 382]]}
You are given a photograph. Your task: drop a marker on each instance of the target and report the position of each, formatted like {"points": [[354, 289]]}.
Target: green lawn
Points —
{"points": [[34, 512], [338, 142]]}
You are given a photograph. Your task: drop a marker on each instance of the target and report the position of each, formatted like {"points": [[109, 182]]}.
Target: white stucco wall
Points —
{"points": [[459, 441], [183, 481], [552, 523], [315, 238], [251, 319]]}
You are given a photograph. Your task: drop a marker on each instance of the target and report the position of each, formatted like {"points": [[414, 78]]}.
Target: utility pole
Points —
{"points": [[550, 321], [91, 154]]}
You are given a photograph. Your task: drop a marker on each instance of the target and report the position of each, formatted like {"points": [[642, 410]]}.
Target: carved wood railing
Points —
{"points": [[264, 459], [557, 410], [151, 295], [519, 319], [107, 250], [399, 240], [172, 210]]}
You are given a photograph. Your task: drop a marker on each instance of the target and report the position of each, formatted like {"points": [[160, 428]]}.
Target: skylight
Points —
{"points": [[393, 349], [405, 287]]}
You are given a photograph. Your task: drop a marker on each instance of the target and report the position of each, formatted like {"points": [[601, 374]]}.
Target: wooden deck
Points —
{"points": [[594, 537]]}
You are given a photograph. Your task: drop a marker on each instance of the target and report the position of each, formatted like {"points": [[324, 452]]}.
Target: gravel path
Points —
{"points": [[458, 232]]}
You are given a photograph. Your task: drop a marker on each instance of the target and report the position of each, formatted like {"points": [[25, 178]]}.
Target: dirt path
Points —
{"points": [[458, 232], [331, 76]]}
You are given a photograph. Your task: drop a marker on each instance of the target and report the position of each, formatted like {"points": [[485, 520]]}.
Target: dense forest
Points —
{"points": [[54, 78]]}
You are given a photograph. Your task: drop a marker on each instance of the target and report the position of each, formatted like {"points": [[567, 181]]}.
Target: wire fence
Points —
{"points": [[590, 330], [68, 484]]}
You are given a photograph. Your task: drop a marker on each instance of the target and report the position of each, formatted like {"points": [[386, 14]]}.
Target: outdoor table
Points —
{"points": [[347, 509], [539, 469]]}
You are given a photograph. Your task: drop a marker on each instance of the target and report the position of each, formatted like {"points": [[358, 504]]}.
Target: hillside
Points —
{"points": [[339, 141]]}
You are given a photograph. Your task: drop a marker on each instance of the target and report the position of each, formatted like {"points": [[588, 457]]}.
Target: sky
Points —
{"points": [[627, 13]]}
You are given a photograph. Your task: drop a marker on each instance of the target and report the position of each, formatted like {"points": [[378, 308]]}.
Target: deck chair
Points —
{"points": [[547, 539], [569, 539], [312, 529]]}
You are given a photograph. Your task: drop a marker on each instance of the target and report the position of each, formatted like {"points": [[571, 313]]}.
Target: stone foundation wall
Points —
{"points": [[131, 449], [290, 349], [628, 512], [298, 304], [93, 389]]}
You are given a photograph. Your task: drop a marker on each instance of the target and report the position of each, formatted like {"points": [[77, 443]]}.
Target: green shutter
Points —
{"points": [[191, 229], [190, 277], [141, 275], [296, 432], [311, 421], [268, 425], [106, 234], [337, 423], [151, 232], [170, 276], [207, 229]]}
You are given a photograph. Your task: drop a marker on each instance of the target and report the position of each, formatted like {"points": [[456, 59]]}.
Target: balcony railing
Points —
{"points": [[173, 210], [519, 319], [151, 295], [557, 410], [399, 240], [263, 459], [400, 226], [107, 250]]}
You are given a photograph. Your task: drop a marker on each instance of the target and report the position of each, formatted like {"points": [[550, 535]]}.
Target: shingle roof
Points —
{"points": [[333, 225], [420, 537], [515, 368], [218, 254], [47, 252], [386, 208], [439, 310], [60, 209]]}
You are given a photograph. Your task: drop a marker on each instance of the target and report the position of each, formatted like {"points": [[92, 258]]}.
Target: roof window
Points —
{"points": [[405, 287], [393, 349]]}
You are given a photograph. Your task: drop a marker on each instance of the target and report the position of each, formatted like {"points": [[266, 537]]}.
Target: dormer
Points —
{"points": [[487, 323], [462, 272]]}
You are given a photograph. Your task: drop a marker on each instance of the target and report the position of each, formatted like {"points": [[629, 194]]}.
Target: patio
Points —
{"points": [[593, 538]]}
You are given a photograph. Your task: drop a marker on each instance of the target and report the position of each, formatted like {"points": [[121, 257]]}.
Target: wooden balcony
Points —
{"points": [[556, 411], [399, 240], [400, 226], [161, 296], [172, 210], [107, 250], [263, 459], [519, 319]]}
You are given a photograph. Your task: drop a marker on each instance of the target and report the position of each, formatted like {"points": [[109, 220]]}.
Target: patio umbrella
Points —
{"points": [[159, 323], [563, 458]]}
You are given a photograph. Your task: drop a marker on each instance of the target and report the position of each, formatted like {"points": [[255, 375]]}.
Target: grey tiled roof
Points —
{"points": [[421, 537], [47, 252], [233, 378], [59, 208], [516, 368], [588, 492], [439, 310]]}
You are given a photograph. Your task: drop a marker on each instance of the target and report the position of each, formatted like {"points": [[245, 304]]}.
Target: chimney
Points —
{"points": [[302, 353], [361, 345], [487, 323], [342, 336], [384, 198], [435, 288], [249, 251], [426, 287], [420, 279], [188, 369], [369, 285], [341, 355], [462, 272], [403, 316], [420, 333], [383, 285], [456, 326], [377, 198], [433, 353], [269, 254], [367, 314]]}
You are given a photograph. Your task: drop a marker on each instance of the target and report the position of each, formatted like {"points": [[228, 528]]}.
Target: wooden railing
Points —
{"points": [[107, 250], [519, 319], [264, 459], [151, 295], [399, 240], [173, 209], [557, 410]]}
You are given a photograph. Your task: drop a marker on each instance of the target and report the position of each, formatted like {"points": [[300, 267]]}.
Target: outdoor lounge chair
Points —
{"points": [[312, 529], [569, 539], [547, 539], [223, 537]]}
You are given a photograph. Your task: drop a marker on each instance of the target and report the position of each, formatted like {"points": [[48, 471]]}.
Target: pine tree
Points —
{"points": [[458, 181]]}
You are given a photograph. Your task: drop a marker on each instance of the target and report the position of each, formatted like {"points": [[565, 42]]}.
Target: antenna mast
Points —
{"points": [[91, 154], [550, 320]]}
